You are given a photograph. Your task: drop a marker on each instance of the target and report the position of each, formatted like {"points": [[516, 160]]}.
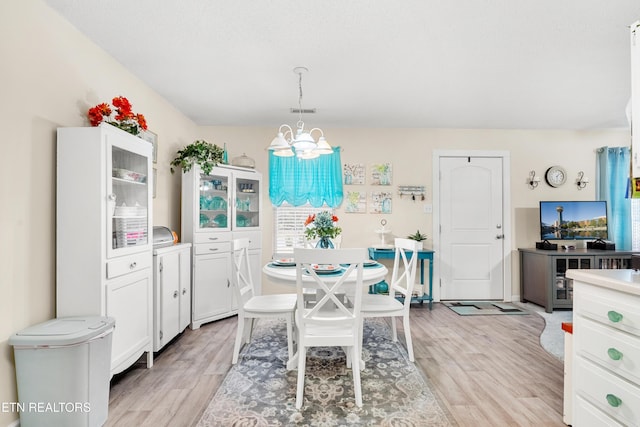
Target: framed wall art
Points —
{"points": [[151, 137], [353, 174], [356, 202], [381, 174], [381, 202]]}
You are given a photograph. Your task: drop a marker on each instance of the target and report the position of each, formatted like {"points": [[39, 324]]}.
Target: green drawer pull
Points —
{"points": [[614, 400], [614, 316], [614, 354]]}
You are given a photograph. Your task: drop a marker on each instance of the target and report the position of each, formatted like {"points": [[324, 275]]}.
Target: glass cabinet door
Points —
{"points": [[128, 199], [247, 202], [213, 211]]}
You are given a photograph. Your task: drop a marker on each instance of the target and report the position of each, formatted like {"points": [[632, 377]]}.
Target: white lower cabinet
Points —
{"points": [[212, 294], [606, 348], [122, 302], [171, 292]]}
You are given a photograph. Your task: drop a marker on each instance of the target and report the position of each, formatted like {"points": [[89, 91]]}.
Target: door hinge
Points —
{"points": [[160, 266], [161, 334]]}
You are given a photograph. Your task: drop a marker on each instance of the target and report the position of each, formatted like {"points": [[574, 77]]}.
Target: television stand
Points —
{"points": [[542, 273]]}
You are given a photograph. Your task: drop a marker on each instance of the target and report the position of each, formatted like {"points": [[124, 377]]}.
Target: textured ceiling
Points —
{"points": [[545, 64]]}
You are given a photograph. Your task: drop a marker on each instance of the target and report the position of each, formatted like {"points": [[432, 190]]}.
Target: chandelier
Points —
{"points": [[300, 144]]}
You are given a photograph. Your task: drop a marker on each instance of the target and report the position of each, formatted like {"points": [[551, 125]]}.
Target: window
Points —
{"points": [[288, 226]]}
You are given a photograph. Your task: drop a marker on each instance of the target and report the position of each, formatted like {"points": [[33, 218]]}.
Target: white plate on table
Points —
{"points": [[326, 268], [284, 262]]}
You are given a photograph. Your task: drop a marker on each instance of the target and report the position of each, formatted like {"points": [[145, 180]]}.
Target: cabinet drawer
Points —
{"points": [[585, 415], [603, 345], [212, 248], [618, 310], [212, 237], [120, 266], [597, 385]]}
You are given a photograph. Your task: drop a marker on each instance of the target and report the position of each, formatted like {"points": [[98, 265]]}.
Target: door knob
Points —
{"points": [[500, 236]]}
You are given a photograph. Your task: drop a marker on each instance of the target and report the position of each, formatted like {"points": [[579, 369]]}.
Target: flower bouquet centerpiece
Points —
{"points": [[124, 118], [322, 226]]}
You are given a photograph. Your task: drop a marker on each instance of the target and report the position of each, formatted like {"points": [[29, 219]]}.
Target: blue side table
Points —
{"points": [[376, 254]]}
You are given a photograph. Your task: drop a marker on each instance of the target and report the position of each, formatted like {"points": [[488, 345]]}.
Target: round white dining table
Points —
{"points": [[287, 274]]}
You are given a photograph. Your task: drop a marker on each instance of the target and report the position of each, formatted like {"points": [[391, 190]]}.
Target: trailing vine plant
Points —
{"points": [[205, 154]]}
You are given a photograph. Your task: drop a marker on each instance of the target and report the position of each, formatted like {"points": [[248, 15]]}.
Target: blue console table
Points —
{"points": [[376, 254]]}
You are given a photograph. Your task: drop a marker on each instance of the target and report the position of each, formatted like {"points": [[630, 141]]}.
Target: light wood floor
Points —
{"points": [[487, 370]]}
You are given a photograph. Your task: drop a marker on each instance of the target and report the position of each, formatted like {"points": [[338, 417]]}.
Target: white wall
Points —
{"points": [[51, 75], [410, 151]]}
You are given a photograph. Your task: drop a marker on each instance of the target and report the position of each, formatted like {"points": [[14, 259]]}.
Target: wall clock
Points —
{"points": [[555, 176]]}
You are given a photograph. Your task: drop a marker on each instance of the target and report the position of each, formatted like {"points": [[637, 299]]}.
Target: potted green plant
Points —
{"points": [[205, 154], [417, 236]]}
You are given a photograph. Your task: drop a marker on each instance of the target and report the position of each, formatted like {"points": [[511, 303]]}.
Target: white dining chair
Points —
{"points": [[402, 281], [252, 306], [332, 321], [310, 294]]}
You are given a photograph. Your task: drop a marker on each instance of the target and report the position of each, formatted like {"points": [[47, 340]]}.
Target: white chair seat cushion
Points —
{"points": [[271, 303], [380, 303]]}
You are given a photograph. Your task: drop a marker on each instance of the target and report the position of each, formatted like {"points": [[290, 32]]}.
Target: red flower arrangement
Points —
{"points": [[322, 225], [124, 119]]}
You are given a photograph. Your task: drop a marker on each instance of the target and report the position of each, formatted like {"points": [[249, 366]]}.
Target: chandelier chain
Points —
{"points": [[300, 122]]}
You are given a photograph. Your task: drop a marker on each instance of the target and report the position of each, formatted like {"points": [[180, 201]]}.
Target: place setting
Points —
{"points": [[283, 263], [367, 264], [326, 269]]}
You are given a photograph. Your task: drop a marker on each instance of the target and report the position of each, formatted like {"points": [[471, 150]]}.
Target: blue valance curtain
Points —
{"points": [[298, 181], [612, 185]]}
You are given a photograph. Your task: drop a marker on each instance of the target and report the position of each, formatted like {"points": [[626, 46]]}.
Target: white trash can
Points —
{"points": [[63, 369]]}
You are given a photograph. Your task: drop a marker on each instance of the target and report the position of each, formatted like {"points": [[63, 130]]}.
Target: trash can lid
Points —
{"points": [[62, 331]]}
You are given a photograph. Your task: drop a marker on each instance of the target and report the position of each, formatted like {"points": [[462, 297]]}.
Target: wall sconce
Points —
{"points": [[582, 180], [533, 180]]}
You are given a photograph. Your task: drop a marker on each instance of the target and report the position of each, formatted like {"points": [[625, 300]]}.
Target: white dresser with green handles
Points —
{"points": [[606, 347]]}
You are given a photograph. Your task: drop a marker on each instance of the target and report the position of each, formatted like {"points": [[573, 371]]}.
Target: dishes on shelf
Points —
{"points": [[128, 175], [242, 221], [220, 220], [204, 220], [217, 204], [124, 210]]}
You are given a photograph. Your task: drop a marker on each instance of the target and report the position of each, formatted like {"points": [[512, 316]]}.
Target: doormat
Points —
{"points": [[474, 308]]}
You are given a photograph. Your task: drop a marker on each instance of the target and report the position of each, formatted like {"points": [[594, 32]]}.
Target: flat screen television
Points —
{"points": [[573, 220]]}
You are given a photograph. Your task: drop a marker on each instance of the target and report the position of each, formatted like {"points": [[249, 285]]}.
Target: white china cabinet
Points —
{"points": [[216, 208], [171, 292], [103, 235]]}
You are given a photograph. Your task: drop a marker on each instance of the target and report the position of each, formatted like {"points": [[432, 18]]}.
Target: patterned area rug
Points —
{"points": [[259, 391], [473, 308]]}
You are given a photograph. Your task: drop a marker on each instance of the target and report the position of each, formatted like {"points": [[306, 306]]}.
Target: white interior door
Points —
{"points": [[472, 232]]}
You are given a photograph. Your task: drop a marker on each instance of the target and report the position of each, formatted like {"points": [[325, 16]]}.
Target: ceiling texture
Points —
{"points": [[475, 64]]}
